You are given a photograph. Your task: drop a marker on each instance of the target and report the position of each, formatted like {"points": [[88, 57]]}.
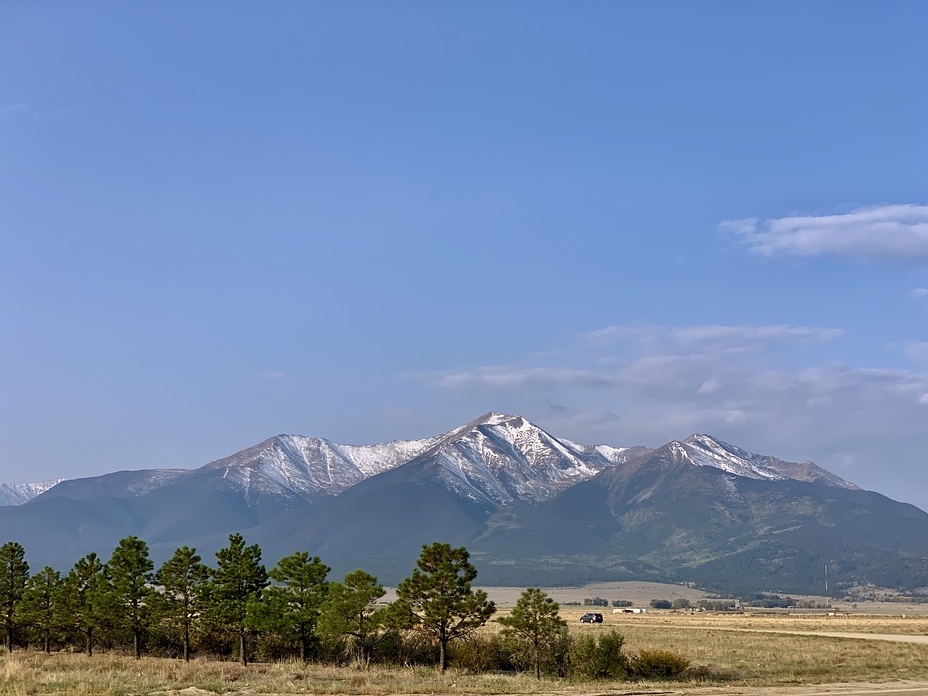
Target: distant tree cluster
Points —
{"points": [[717, 604], [595, 602], [600, 602], [237, 609]]}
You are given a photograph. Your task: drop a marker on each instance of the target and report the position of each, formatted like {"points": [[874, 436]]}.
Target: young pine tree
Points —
{"points": [[235, 583], [535, 622], [441, 598], [183, 578], [38, 607], [14, 573], [350, 611], [83, 601], [130, 575], [292, 606]]}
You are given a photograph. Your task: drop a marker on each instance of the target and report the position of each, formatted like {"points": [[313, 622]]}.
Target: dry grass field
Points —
{"points": [[747, 649], [740, 652]]}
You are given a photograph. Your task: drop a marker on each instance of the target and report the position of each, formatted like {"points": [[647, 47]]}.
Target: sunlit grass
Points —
{"points": [[735, 657]]}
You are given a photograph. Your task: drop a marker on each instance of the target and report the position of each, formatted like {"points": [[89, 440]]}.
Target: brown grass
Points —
{"points": [[740, 658], [765, 658]]}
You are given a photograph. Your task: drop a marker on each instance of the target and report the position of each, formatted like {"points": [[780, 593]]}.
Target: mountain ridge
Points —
{"points": [[496, 457], [532, 507]]}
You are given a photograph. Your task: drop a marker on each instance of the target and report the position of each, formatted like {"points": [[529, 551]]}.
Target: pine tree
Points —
{"points": [[535, 621], [292, 607], [130, 575], [236, 581], [38, 607], [183, 578], [350, 611], [14, 573], [441, 598], [84, 599]]}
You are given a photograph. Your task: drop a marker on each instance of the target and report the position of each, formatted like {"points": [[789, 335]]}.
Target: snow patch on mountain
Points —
{"points": [[19, 493], [703, 450]]}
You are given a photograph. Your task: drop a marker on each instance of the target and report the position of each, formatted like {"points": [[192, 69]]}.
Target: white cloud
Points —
{"points": [[710, 337], [919, 293], [898, 232], [509, 376], [13, 107]]}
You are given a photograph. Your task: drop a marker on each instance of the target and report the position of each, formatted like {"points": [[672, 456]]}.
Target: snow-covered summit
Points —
{"points": [[500, 458], [305, 467], [704, 450]]}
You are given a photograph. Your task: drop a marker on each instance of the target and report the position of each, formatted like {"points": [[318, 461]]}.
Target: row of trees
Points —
{"points": [[293, 605], [238, 606]]}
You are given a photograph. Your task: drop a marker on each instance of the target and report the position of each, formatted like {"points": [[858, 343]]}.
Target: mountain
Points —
{"points": [[19, 493], [499, 459], [730, 522], [703, 450], [531, 507]]}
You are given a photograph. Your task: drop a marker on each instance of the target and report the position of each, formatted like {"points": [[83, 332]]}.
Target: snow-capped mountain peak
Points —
{"points": [[704, 450], [305, 467], [500, 458]]}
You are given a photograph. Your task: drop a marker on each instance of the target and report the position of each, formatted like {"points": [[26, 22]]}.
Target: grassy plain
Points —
{"points": [[748, 649], [736, 650]]}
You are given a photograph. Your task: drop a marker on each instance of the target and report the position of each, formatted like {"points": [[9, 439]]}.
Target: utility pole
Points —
{"points": [[826, 578]]}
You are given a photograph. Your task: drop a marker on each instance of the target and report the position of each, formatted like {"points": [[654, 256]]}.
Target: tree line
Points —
{"points": [[239, 609], [225, 608]]}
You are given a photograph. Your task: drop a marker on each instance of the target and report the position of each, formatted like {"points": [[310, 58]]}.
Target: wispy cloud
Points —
{"points": [[764, 387], [13, 108], [507, 376], [898, 232], [919, 293], [714, 337]]}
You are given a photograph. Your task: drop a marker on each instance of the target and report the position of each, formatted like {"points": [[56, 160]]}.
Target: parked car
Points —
{"points": [[591, 617]]}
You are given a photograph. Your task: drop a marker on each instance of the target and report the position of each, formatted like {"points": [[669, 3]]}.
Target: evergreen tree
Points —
{"points": [[183, 578], [83, 599], [292, 607], [350, 611], [236, 582], [535, 622], [130, 575], [39, 605], [14, 573], [441, 598]]}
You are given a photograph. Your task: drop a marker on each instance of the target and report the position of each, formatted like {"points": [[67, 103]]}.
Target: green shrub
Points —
{"points": [[480, 653], [599, 659], [658, 664]]}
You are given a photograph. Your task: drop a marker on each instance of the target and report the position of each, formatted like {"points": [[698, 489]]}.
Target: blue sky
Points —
{"points": [[627, 222]]}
